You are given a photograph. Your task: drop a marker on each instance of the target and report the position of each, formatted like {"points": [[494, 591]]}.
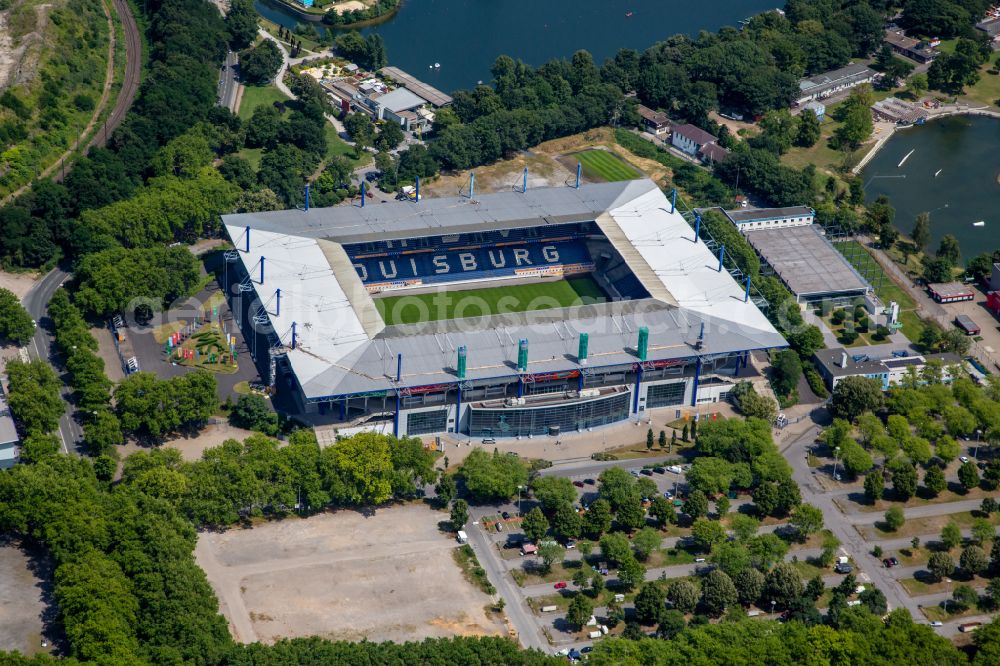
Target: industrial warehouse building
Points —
{"points": [[340, 307]]}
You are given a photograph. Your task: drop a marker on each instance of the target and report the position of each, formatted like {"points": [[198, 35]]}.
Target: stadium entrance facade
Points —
{"points": [[515, 314]]}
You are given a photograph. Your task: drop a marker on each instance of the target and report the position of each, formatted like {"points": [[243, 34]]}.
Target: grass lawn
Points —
{"points": [[164, 331], [939, 614], [917, 588], [886, 289], [254, 96], [466, 560], [639, 450], [863, 339], [337, 146], [561, 601], [922, 526], [560, 571], [209, 351], [943, 497], [986, 92], [604, 165], [484, 302]]}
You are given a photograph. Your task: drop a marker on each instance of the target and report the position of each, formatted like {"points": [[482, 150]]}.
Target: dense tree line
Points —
{"points": [[91, 386], [149, 407], [36, 404], [16, 324], [115, 280]]}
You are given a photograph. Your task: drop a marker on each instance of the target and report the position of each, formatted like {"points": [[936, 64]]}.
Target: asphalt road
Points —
{"points": [[36, 302], [228, 85]]}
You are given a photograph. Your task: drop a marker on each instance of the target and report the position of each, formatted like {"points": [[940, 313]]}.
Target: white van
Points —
{"points": [[676, 469], [462, 537]]}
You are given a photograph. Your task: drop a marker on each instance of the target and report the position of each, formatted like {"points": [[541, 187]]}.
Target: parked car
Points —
{"points": [[499, 526], [647, 472], [893, 561], [561, 585], [842, 568], [570, 544], [668, 495], [937, 623], [660, 470], [886, 563], [372, 176], [586, 649], [634, 472], [964, 459], [506, 516], [578, 484], [589, 482]]}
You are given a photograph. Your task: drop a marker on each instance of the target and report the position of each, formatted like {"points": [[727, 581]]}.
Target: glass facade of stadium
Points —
{"points": [[532, 405]]}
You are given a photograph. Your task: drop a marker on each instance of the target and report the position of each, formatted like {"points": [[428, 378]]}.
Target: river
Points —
{"points": [[466, 36], [963, 151]]}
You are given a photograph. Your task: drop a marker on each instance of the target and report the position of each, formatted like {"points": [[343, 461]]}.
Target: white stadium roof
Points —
{"points": [[343, 347]]}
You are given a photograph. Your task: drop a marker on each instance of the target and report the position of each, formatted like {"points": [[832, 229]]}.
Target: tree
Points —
{"points": [[631, 514], [459, 514], [951, 535], [744, 527], [718, 593], [982, 531], [597, 520], [721, 507], [809, 129], [894, 518], [550, 552], [390, 135], [662, 439], [34, 397], [684, 433], [663, 511], [359, 126], [580, 609], [650, 439], [645, 542], [786, 372], [706, 533], [988, 506], [731, 557], [995, 557], [749, 585], [615, 548], [856, 119], [553, 491], [616, 486], [15, 322], [917, 85], [874, 485], [964, 596], [782, 585], [566, 522], [682, 595], [253, 413], [260, 64], [446, 488], [493, 477], [671, 624], [855, 395], [806, 519], [630, 573], [696, 505], [973, 560], [949, 249], [874, 600], [934, 480], [534, 524], [904, 480], [241, 24], [968, 475], [922, 231], [940, 565], [649, 604]]}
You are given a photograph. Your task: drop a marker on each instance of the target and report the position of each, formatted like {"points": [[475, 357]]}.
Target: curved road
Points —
{"points": [[36, 301]]}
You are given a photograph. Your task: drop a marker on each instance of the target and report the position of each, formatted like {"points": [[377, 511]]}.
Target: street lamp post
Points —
{"points": [[975, 452], [772, 606], [519, 489], [836, 452]]}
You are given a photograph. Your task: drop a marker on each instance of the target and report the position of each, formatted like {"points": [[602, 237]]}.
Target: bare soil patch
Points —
{"points": [[18, 283], [25, 615], [385, 574]]}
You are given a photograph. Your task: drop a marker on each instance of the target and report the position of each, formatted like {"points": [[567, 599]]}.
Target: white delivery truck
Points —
{"points": [[594, 634]]}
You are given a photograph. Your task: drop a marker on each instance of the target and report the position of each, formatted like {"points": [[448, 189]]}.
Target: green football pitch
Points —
{"points": [[603, 165], [411, 309]]}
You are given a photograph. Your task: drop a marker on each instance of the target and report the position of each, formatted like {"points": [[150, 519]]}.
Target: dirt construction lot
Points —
{"points": [[21, 604], [348, 576]]}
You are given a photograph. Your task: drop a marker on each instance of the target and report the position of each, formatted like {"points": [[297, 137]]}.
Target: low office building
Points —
{"points": [[432, 95], [756, 219], [827, 84], [836, 364], [901, 112], [692, 140], [990, 27], [400, 106], [951, 292], [655, 122], [914, 49]]}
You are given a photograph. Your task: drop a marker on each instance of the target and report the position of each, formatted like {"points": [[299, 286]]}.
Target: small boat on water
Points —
{"points": [[437, 65], [902, 161], [980, 223], [937, 172], [628, 14]]}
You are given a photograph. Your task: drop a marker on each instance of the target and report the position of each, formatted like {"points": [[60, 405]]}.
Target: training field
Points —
{"points": [[386, 575], [412, 309], [603, 165]]}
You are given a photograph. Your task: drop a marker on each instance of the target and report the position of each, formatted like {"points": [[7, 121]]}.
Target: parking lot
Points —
{"points": [[386, 575], [23, 610]]}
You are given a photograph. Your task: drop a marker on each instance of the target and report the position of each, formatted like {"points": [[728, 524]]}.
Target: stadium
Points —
{"points": [[509, 314]]}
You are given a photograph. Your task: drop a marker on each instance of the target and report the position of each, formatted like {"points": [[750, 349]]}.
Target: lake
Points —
{"points": [[466, 36], [962, 151]]}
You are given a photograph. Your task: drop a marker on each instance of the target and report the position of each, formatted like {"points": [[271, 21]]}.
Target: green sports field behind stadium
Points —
{"points": [[412, 309], [603, 165]]}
